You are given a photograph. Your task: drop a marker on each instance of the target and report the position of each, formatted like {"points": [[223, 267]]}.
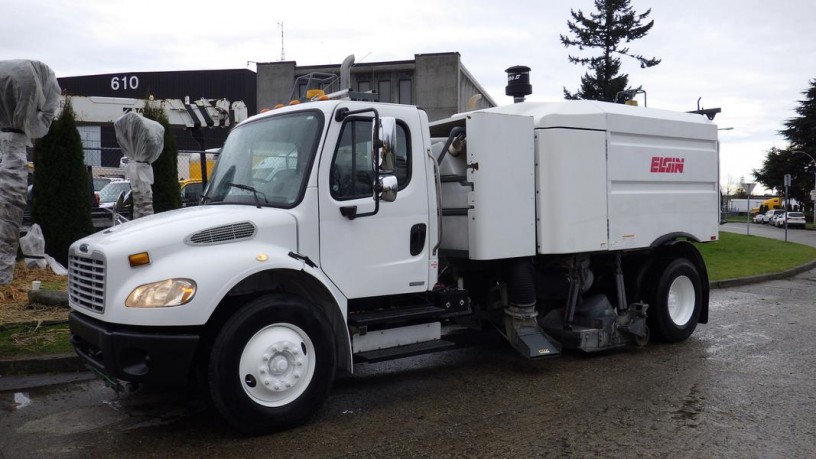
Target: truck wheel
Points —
{"points": [[675, 301], [272, 364]]}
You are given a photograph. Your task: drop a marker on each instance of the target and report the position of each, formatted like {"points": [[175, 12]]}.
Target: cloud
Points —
{"points": [[752, 58]]}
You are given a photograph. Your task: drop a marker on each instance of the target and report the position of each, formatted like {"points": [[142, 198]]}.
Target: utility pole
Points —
{"points": [[748, 187], [812, 192], [787, 186], [283, 56]]}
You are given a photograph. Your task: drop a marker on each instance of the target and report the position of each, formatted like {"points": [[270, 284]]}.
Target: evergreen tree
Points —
{"points": [[800, 132], [166, 191], [614, 23], [61, 202]]}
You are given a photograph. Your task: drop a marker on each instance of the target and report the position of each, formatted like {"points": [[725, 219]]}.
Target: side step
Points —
{"points": [[386, 316], [409, 350]]}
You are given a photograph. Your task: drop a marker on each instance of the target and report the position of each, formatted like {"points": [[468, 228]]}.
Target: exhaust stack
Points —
{"points": [[345, 72]]}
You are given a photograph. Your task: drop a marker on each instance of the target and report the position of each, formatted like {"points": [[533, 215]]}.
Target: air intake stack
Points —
{"points": [[518, 83]]}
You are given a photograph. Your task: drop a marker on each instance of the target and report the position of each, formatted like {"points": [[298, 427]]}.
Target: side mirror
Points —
{"points": [[387, 135], [388, 187]]}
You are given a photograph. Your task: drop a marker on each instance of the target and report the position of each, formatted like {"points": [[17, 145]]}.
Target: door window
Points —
{"points": [[352, 176]]}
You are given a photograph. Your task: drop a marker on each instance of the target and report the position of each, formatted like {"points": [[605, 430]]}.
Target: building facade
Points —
{"points": [[101, 148], [438, 83]]}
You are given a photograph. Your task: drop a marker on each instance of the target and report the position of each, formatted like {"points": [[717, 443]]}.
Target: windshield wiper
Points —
{"points": [[251, 190]]}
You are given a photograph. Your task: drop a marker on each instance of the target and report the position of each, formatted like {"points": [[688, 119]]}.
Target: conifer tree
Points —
{"points": [[166, 191], [800, 132], [614, 24], [61, 202]]}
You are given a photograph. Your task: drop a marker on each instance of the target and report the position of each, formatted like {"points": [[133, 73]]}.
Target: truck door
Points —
{"points": [[382, 254]]}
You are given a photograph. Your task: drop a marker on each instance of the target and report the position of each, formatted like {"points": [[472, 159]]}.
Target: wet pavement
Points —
{"points": [[742, 386]]}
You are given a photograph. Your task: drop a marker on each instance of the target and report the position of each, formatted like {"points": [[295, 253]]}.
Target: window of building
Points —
{"points": [[91, 137], [364, 86], [351, 174], [405, 91], [384, 90]]}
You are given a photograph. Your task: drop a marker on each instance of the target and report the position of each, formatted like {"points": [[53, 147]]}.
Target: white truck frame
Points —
{"points": [[381, 236]]}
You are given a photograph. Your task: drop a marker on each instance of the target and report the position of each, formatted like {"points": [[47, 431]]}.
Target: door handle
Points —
{"points": [[418, 238]]}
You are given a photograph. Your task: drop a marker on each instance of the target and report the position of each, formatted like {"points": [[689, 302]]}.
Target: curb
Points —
{"points": [[60, 363], [70, 363], [725, 283]]}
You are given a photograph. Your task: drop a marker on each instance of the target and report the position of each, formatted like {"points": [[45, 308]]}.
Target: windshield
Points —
{"points": [[267, 162], [112, 190]]}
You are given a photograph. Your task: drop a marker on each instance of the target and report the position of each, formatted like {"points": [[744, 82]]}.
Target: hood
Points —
{"points": [[194, 226]]}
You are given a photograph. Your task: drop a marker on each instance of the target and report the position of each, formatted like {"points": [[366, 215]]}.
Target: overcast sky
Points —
{"points": [[752, 58]]}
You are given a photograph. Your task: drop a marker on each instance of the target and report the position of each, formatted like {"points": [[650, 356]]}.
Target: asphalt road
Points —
{"points": [[755, 229], [742, 386]]}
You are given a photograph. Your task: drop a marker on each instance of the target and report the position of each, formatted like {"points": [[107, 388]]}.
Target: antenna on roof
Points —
{"points": [[283, 56]]}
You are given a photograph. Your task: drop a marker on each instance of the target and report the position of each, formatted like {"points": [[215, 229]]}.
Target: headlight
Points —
{"points": [[170, 292]]}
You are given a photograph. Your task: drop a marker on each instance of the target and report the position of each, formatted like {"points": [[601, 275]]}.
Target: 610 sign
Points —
{"points": [[125, 82]]}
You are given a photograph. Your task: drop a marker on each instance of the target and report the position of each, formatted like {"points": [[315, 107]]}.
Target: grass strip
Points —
{"points": [[739, 255], [34, 339]]}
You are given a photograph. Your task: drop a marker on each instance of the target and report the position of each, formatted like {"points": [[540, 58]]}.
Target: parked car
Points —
{"points": [[759, 218], [111, 192], [102, 216], [100, 182], [771, 215], [795, 220]]}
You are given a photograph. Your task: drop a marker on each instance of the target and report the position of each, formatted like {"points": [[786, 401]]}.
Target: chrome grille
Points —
{"points": [[223, 234], [86, 283]]}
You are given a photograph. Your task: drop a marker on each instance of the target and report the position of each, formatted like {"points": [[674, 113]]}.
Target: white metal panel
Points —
{"points": [[383, 339], [662, 183], [571, 179], [502, 170]]}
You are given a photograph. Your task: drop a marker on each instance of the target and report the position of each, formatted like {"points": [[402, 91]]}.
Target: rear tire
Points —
{"points": [[675, 301], [272, 365]]}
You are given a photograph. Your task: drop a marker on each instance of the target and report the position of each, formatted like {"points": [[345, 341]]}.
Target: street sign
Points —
{"points": [[813, 195], [787, 180], [748, 187]]}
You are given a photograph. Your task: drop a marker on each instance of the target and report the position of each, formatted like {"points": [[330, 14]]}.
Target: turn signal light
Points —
{"points": [[139, 259]]}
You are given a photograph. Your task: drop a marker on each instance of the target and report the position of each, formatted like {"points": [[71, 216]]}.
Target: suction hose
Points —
{"points": [[521, 289], [453, 134]]}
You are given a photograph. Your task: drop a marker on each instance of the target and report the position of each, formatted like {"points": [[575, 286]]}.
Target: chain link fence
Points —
{"points": [[189, 163]]}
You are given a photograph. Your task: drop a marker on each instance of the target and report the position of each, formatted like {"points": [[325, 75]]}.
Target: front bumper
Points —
{"points": [[134, 354]]}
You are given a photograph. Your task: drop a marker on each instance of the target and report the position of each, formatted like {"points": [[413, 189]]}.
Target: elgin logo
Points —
{"points": [[663, 165]]}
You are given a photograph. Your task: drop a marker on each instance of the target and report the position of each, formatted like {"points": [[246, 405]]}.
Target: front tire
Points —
{"points": [[676, 301], [272, 364]]}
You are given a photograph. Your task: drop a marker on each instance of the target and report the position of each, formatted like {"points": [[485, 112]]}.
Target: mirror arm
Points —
{"points": [[350, 212]]}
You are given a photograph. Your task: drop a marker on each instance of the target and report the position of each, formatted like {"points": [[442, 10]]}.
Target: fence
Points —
{"points": [[109, 162]]}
